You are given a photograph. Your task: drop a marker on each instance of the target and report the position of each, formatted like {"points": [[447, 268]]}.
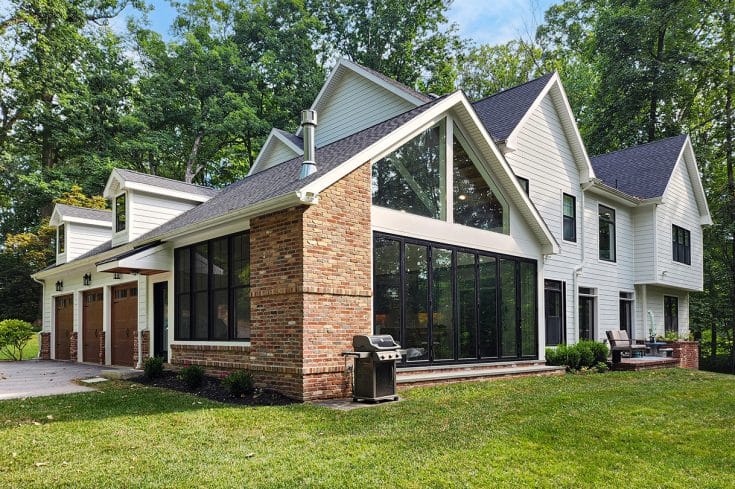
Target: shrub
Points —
{"points": [[601, 367], [586, 354], [556, 356], [573, 358], [239, 383], [14, 334], [153, 367], [192, 376], [600, 350]]}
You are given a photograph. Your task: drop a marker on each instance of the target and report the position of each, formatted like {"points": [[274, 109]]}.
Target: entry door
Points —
{"points": [[554, 303], [160, 320], [64, 326], [124, 323], [91, 325]]}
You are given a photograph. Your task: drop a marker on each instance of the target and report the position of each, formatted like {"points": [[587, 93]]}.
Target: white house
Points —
{"points": [[474, 233]]}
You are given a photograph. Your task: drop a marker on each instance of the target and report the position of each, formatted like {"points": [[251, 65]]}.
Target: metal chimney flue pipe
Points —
{"points": [[308, 125]]}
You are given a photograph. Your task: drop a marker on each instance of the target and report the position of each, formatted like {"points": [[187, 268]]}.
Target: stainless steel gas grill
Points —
{"points": [[374, 375]]}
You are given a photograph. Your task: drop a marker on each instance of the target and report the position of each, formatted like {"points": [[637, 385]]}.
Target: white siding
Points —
{"points": [[545, 158], [148, 211], [644, 230], [277, 152], [81, 238], [679, 207], [356, 103], [655, 304]]}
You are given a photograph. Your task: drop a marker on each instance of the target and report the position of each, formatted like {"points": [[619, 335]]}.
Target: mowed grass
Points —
{"points": [[669, 428], [30, 350]]}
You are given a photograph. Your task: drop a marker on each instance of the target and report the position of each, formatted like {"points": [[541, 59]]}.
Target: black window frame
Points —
{"points": [[587, 295], [611, 224], [569, 219], [61, 239], [681, 242], [121, 218], [478, 358], [560, 287], [671, 322], [625, 310], [525, 184], [232, 286]]}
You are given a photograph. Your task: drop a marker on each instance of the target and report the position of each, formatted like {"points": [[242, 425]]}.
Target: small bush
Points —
{"points": [[574, 358], [192, 376], [600, 350], [601, 367], [153, 367], [14, 334], [239, 383], [586, 354]]}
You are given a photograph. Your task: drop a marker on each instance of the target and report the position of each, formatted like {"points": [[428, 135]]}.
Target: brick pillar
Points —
{"points": [[687, 352], [73, 346], [44, 352], [135, 350], [101, 348], [146, 340]]}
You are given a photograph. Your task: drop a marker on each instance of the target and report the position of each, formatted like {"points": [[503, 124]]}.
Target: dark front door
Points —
{"points": [[124, 323], [554, 303], [160, 320], [91, 325], [671, 314], [64, 322]]}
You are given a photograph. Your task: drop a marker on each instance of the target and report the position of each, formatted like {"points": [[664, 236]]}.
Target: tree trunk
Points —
{"points": [[191, 170], [653, 107]]}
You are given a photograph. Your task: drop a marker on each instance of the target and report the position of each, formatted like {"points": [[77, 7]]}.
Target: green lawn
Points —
{"points": [[29, 351], [671, 428]]}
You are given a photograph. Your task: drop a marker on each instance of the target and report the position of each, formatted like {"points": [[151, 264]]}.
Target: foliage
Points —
{"points": [[239, 383], [584, 354], [14, 334], [153, 367], [601, 367], [192, 376]]}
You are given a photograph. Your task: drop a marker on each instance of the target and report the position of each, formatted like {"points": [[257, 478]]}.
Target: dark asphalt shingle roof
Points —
{"points": [[501, 113], [397, 84], [85, 213], [284, 178], [641, 171], [292, 137], [178, 185]]}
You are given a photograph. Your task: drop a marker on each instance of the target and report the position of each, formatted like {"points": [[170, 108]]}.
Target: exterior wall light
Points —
{"points": [[87, 278], [116, 276], [59, 286]]}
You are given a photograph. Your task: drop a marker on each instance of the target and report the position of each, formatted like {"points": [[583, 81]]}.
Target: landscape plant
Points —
{"points": [[192, 376], [239, 383], [153, 367], [585, 354], [14, 334]]}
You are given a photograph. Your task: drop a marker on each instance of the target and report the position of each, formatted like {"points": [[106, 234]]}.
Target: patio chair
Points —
{"points": [[620, 342]]}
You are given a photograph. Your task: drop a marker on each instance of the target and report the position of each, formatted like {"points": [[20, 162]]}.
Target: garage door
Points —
{"points": [[124, 323], [91, 325], [63, 327]]}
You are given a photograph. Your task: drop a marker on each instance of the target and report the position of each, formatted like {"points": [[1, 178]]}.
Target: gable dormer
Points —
{"points": [[79, 230], [142, 202], [352, 99]]}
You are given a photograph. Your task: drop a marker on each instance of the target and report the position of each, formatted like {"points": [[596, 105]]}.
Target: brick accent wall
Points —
{"points": [[44, 351], [311, 289], [102, 348], [146, 343], [73, 346], [136, 351], [687, 352]]}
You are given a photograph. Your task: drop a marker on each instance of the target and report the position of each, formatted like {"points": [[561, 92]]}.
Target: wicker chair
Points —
{"points": [[620, 342]]}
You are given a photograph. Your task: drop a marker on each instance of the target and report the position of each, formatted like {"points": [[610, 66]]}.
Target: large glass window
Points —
{"points": [[475, 203], [409, 179], [60, 239], [212, 289], [120, 213], [444, 303], [607, 233], [587, 298], [681, 243], [555, 314], [626, 312], [570, 218], [671, 314]]}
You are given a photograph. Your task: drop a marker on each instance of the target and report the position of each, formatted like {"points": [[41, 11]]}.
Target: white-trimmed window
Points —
{"points": [[587, 313], [606, 233], [120, 213], [569, 211], [61, 239]]}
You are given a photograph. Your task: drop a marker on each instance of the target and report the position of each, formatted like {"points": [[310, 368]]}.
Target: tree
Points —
{"points": [[14, 334]]}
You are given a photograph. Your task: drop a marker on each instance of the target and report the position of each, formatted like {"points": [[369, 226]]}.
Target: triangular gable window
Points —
{"points": [[415, 178], [408, 179], [476, 203]]}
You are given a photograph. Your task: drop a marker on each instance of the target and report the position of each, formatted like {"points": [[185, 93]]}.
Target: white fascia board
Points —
{"points": [[275, 133], [87, 222], [408, 130], [598, 188], [85, 264], [161, 191], [338, 72], [567, 115], [114, 177], [666, 285]]}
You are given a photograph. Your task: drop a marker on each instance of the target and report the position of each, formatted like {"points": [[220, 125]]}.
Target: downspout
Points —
{"points": [[43, 300]]}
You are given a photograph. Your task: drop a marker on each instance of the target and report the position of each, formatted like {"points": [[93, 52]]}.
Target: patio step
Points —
{"points": [[414, 376], [645, 363]]}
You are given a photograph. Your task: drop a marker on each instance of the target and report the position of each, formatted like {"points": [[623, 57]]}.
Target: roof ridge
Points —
{"points": [[502, 92], [165, 178], [399, 84], [639, 146]]}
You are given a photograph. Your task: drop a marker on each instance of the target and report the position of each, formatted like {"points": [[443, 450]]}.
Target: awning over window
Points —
{"points": [[149, 259]]}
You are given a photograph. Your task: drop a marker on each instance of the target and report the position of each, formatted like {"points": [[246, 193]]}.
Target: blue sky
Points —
{"points": [[485, 21]]}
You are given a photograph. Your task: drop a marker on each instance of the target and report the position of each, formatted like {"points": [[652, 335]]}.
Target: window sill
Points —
{"points": [[210, 343]]}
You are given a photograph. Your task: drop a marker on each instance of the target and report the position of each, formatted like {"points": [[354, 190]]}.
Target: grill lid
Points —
{"points": [[378, 342]]}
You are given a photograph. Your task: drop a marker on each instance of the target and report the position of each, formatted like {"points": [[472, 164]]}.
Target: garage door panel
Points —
{"points": [[92, 325], [124, 323]]}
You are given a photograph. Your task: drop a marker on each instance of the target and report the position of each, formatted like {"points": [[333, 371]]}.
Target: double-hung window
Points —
{"points": [[607, 233], [570, 217], [120, 215], [60, 239], [681, 244]]}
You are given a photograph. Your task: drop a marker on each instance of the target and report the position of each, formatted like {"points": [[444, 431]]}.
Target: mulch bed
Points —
{"points": [[212, 389]]}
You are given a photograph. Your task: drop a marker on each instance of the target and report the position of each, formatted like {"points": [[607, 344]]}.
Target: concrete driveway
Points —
{"points": [[31, 378]]}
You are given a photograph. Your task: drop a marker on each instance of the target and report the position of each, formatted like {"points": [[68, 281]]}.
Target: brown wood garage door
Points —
{"points": [[64, 321], [91, 325], [124, 323]]}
